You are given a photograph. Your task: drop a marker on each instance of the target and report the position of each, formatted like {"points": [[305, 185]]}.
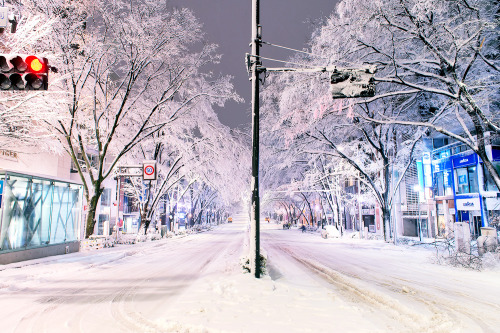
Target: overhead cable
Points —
{"points": [[289, 48]]}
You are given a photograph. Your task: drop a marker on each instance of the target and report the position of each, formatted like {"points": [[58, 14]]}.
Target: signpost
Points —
{"points": [[148, 173]]}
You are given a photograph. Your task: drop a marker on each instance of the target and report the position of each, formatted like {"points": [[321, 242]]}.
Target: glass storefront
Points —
{"points": [[466, 180], [38, 212]]}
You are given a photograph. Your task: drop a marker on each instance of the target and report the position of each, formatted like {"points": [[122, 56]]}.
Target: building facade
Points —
{"points": [[42, 207]]}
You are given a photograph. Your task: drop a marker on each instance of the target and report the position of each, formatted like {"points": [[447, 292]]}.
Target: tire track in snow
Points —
{"points": [[438, 303], [371, 300], [445, 314], [135, 321], [51, 309]]}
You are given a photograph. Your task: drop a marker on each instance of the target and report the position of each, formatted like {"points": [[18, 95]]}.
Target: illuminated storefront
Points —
{"points": [[39, 216]]}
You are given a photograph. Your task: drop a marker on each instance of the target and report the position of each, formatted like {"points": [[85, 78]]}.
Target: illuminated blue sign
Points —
{"points": [[462, 161]]}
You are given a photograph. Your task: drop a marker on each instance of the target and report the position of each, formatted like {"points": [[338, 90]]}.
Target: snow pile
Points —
{"points": [[491, 260], [330, 231]]}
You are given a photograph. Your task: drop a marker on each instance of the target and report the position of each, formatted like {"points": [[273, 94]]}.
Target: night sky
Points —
{"points": [[228, 23]]}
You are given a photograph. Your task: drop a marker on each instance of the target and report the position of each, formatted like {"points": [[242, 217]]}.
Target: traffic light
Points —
{"points": [[351, 83], [23, 72]]}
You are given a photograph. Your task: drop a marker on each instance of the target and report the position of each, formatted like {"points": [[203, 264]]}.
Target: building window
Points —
{"points": [[93, 160], [466, 180], [106, 197], [439, 183], [38, 212], [489, 183], [459, 149]]}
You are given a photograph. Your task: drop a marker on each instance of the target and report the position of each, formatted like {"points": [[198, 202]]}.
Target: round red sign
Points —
{"points": [[149, 170]]}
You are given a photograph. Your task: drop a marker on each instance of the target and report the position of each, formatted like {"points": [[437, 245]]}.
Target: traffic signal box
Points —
{"points": [[353, 83], [23, 72]]}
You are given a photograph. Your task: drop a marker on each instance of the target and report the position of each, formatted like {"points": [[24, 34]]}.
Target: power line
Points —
{"points": [[291, 49], [282, 61]]}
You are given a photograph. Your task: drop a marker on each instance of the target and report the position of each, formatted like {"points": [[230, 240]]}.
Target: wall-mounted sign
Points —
{"points": [[468, 204], [461, 161], [8, 155]]}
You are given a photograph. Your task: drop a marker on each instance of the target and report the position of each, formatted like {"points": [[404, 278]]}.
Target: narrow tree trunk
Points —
{"points": [[92, 211], [386, 220]]}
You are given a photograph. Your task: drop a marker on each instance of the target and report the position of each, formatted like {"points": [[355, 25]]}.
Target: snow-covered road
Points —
{"points": [[120, 289], [395, 288], [195, 284]]}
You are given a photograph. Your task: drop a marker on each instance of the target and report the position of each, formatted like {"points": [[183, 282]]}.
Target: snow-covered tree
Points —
{"points": [[131, 73], [200, 154], [443, 53], [303, 123], [437, 68], [24, 114]]}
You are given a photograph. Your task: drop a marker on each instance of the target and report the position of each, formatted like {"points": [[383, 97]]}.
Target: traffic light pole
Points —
{"points": [[255, 210]]}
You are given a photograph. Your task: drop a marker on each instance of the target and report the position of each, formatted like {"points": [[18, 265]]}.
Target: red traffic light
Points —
{"points": [[35, 65], [23, 72]]}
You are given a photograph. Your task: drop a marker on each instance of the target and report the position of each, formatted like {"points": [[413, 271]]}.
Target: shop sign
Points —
{"points": [[495, 153], [460, 161], [447, 178], [368, 211], [8, 155], [4, 17], [468, 204]]}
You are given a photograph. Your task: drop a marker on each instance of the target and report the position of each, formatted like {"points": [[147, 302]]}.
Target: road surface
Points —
{"points": [[119, 289], [395, 288], [196, 284]]}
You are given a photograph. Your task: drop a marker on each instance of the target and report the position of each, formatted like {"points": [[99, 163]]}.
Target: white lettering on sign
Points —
{"points": [[464, 160]]}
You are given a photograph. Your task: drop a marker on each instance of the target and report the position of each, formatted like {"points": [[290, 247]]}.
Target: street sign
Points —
{"points": [[4, 17], [149, 170]]}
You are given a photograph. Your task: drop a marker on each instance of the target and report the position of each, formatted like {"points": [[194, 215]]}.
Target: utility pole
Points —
{"points": [[345, 83], [255, 210]]}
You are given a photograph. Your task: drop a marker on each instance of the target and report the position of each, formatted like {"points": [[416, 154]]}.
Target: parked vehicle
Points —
{"points": [[229, 220]]}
